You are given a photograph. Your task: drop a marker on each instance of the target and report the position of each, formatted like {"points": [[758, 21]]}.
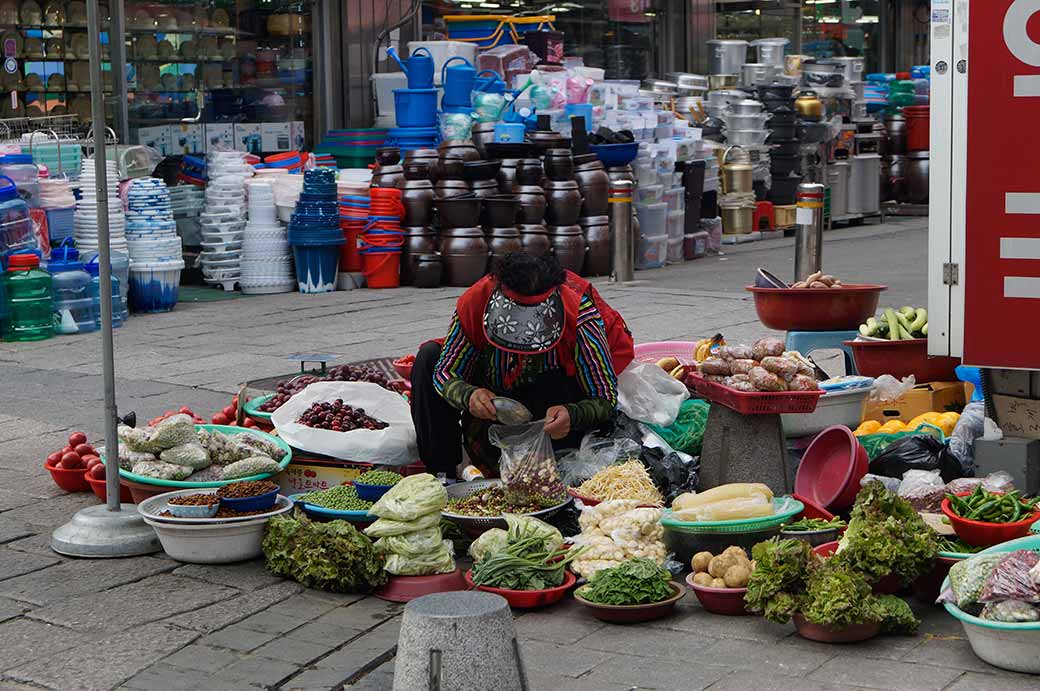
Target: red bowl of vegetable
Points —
{"points": [[404, 365], [728, 601], [824, 634], [529, 599], [68, 479], [633, 614], [984, 533], [889, 585], [812, 309]]}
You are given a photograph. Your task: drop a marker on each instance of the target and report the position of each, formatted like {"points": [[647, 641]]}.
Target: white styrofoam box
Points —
{"points": [[383, 84], [188, 138], [219, 135], [276, 136]]}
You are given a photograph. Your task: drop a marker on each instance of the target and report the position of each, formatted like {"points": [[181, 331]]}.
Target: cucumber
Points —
{"points": [[893, 324], [907, 311], [920, 319], [924, 329], [865, 330], [905, 331]]}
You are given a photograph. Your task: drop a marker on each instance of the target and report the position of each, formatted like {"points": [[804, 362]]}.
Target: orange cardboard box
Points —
{"points": [[941, 397]]}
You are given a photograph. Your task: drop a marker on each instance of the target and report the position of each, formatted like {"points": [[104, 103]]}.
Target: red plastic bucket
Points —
{"points": [[382, 268], [386, 201], [350, 250], [917, 125]]}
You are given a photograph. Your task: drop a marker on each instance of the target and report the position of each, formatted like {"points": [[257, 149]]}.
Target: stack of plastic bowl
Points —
{"points": [[267, 263], [156, 254], [85, 229], [186, 200], [224, 218], [314, 233]]}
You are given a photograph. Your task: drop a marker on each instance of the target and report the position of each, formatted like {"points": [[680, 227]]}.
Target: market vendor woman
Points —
{"points": [[531, 332]]}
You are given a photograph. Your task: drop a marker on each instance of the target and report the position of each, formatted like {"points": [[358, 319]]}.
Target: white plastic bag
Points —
{"points": [[646, 393], [888, 388], [392, 445]]}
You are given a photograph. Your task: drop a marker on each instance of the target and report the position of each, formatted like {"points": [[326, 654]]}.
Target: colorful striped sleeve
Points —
{"points": [[455, 366], [595, 366]]}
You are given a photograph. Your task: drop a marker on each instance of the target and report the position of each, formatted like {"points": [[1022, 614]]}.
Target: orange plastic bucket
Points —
{"points": [[350, 250], [382, 268]]}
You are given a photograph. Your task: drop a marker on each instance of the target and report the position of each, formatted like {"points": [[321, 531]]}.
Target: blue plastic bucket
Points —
{"points": [[317, 267], [582, 110], [154, 286], [415, 107], [509, 132]]}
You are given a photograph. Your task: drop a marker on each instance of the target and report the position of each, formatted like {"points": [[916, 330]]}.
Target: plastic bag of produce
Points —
{"points": [[392, 445], [924, 489], [967, 579], [192, 454], [595, 454], [616, 530], [161, 471], [139, 440], [529, 526], [440, 560], [259, 445], [1034, 573], [412, 497], [649, 394], [687, 432], [174, 431], [673, 473], [413, 545], [254, 465], [489, 542], [528, 464], [890, 483], [916, 452], [1012, 611], [388, 526], [1010, 579], [129, 458]]}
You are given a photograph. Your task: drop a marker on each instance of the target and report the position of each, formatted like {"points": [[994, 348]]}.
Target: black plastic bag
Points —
{"points": [[916, 452], [670, 472]]}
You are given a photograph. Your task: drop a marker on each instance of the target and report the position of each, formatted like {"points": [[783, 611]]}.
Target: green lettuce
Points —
{"points": [[837, 597], [781, 567], [887, 536], [329, 556]]}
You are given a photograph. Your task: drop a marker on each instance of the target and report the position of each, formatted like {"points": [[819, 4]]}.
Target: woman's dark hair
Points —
{"points": [[529, 275]]}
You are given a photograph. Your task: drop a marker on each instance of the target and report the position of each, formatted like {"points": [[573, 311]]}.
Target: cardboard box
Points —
{"points": [[276, 136], [941, 397], [1018, 457], [188, 138], [220, 136], [248, 137], [159, 138], [1017, 417]]}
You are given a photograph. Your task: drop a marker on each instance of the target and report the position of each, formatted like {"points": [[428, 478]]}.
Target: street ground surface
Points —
{"points": [[153, 623]]}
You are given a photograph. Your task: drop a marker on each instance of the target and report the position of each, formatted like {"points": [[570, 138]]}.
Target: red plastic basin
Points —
{"points": [[529, 599], [917, 127], [407, 588], [983, 534], [68, 480], [831, 469], [99, 491], [822, 634], [727, 601], [901, 359], [824, 309], [889, 585]]}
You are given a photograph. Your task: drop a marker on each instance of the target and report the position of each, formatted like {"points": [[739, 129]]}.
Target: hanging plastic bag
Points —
{"points": [[392, 445], [916, 452], [647, 393], [687, 432], [970, 426], [528, 464]]}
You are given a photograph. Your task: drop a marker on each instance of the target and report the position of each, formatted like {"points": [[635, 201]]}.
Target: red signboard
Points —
{"points": [[1002, 224]]}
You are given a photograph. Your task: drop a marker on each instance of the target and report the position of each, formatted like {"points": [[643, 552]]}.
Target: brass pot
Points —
{"points": [[738, 220], [737, 178], [809, 105]]}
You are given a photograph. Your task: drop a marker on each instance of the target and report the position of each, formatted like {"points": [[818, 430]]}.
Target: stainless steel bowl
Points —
{"points": [[475, 525]]}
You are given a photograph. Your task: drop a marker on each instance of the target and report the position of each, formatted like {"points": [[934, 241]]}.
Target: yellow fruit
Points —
{"points": [[952, 415], [867, 427], [892, 426], [925, 418], [946, 425]]}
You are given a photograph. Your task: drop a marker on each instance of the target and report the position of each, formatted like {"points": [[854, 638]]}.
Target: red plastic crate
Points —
{"points": [[756, 403]]}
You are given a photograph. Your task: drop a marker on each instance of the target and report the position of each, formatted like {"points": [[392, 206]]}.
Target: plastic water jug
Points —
{"points": [[30, 306], [121, 270], [74, 310], [16, 229], [120, 313], [458, 82]]}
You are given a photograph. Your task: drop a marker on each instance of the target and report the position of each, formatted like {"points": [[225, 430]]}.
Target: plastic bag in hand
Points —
{"points": [[528, 464], [649, 394], [916, 452], [1010, 579]]}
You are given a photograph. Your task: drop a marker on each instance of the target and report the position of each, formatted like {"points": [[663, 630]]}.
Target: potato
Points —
{"points": [[718, 565], [700, 561], [737, 552], [718, 583], [737, 576], [703, 579]]}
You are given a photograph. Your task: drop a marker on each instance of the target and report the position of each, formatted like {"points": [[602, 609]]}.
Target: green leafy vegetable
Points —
{"points": [[780, 569], [957, 546], [632, 582], [887, 536], [529, 558], [895, 615], [807, 524], [838, 597], [329, 556]]}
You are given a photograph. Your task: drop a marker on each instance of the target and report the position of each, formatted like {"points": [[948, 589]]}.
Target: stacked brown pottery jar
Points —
{"points": [[563, 207], [529, 191], [482, 177], [419, 235], [388, 171], [500, 212], [507, 175], [594, 184], [597, 242], [464, 251]]}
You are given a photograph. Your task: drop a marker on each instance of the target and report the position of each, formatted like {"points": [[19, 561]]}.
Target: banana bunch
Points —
{"points": [[703, 350], [673, 367]]}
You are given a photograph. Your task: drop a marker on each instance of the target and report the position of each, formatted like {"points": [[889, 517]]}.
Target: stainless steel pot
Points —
{"points": [[746, 122], [755, 73], [690, 84], [746, 106], [865, 184], [746, 137], [896, 127], [852, 68], [817, 74], [726, 56], [838, 178], [771, 50]]}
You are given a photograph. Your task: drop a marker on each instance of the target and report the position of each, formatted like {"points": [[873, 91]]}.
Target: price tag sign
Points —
{"points": [[804, 216]]}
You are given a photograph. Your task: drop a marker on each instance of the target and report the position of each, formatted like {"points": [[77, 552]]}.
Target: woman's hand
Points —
{"points": [[557, 422], [480, 405]]}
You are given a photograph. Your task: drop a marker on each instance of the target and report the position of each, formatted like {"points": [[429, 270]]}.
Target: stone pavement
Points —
{"points": [[153, 623]]}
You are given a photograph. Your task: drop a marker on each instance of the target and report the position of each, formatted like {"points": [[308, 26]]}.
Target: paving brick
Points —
{"points": [[318, 678], [364, 650], [9, 609], [973, 681], [221, 614], [271, 622], [644, 673], [11, 500], [848, 668], [953, 653], [12, 530], [261, 671], [693, 619], [303, 607], [149, 599], [202, 658], [160, 677], [101, 665], [789, 657], [546, 658], [318, 632], [361, 614], [73, 578], [248, 576], [237, 638], [761, 680], [14, 563], [294, 650], [678, 645], [564, 623], [39, 543]]}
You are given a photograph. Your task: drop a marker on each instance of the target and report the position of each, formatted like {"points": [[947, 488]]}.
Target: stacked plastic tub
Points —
{"points": [[85, 230], [415, 110], [57, 200], [653, 239], [314, 233], [267, 264], [224, 218], [383, 239], [156, 254]]}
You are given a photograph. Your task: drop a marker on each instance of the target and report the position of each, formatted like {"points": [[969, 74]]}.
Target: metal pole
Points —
{"points": [[808, 238], [97, 104], [620, 200]]}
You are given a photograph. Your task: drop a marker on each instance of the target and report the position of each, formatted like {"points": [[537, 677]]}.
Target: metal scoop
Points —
{"points": [[511, 412]]}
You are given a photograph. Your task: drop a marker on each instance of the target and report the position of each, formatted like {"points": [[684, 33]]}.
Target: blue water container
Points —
{"points": [[119, 309], [74, 310]]}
